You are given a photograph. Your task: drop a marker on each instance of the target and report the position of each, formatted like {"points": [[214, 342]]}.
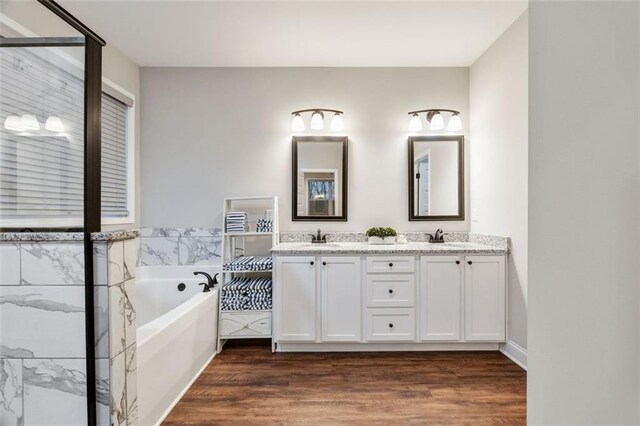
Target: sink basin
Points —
{"points": [[455, 244], [320, 245]]}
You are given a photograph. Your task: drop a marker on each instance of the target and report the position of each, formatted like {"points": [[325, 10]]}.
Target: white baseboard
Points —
{"points": [[515, 353]]}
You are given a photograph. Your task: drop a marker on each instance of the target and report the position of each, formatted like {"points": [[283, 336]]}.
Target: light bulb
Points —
{"points": [[54, 124], [29, 122], [336, 123], [317, 121], [297, 124], [454, 123], [437, 122], [415, 124], [12, 122]]}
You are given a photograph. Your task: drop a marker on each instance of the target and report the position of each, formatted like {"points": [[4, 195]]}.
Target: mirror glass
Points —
{"points": [[436, 178], [319, 178]]}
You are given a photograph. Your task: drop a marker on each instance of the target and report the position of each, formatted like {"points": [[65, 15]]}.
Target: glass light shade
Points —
{"points": [[54, 124], [437, 122], [415, 124], [29, 122], [12, 122], [297, 124], [317, 121], [336, 123], [454, 123]]}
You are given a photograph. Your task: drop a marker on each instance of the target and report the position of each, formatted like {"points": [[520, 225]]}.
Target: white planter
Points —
{"points": [[378, 240]]}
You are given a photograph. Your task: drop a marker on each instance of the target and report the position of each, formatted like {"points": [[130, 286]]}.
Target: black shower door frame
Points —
{"points": [[92, 166]]}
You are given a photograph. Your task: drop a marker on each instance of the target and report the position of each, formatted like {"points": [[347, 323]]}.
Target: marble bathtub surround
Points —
{"points": [[52, 263], [42, 350], [10, 263], [118, 392], [42, 321], [54, 391], [131, 384], [11, 393], [180, 246]]}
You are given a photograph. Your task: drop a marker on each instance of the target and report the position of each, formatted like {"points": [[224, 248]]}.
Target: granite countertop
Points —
{"points": [[69, 236], [411, 248]]}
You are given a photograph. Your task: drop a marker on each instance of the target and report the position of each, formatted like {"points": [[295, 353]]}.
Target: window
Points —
{"points": [[42, 168], [115, 182]]}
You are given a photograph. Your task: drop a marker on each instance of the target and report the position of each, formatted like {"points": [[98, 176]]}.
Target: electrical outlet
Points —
{"points": [[474, 215]]}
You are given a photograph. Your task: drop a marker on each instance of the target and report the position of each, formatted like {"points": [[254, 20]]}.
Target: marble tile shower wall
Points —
{"points": [[42, 340], [180, 246], [116, 263]]}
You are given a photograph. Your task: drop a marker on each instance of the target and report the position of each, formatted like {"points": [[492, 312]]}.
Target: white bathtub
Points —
{"points": [[177, 335]]}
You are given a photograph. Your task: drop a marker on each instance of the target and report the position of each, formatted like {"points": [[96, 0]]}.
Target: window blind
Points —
{"points": [[114, 158], [41, 172]]}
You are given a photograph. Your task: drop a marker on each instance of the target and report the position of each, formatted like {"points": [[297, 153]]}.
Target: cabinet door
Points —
{"points": [[485, 298], [341, 299], [440, 296], [295, 289]]}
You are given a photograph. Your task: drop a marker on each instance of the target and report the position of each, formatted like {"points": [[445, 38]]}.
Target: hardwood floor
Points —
{"points": [[247, 384]]}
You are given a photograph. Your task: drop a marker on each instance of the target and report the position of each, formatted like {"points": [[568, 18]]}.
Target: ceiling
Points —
{"points": [[187, 33]]}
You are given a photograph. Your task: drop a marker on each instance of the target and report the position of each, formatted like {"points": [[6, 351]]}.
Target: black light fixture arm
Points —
{"points": [[317, 110]]}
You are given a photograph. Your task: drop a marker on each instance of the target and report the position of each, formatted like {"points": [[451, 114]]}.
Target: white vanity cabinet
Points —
{"points": [[318, 298], [355, 301], [295, 293], [441, 299], [485, 300], [341, 293]]}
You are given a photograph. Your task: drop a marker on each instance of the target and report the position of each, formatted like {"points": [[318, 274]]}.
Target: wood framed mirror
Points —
{"points": [[436, 178], [319, 178]]}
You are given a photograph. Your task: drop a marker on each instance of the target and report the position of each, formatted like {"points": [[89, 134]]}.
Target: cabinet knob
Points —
{"points": [[457, 262], [390, 325], [390, 291], [324, 263], [312, 263], [390, 265], [470, 262]]}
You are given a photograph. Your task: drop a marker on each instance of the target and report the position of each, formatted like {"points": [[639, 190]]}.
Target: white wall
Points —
{"points": [[115, 66], [498, 156], [584, 180], [208, 133]]}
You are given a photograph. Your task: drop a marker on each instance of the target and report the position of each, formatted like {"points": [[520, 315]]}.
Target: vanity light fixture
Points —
{"points": [[336, 123], [12, 122], [435, 120], [29, 122], [317, 119], [297, 124], [54, 124], [415, 123]]}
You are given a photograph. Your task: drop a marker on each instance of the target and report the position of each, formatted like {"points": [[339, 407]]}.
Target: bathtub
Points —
{"points": [[176, 336]]}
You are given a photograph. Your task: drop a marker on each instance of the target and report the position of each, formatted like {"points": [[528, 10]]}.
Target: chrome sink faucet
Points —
{"points": [[318, 238]]}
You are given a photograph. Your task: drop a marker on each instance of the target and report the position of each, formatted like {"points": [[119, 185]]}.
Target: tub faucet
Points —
{"points": [[211, 282]]}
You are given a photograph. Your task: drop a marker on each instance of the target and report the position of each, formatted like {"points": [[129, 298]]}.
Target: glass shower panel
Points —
{"points": [[41, 137]]}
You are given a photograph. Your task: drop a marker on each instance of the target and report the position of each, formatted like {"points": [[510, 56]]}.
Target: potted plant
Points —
{"points": [[381, 235]]}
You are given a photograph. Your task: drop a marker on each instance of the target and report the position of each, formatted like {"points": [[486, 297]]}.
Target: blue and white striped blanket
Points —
{"points": [[249, 263], [247, 294]]}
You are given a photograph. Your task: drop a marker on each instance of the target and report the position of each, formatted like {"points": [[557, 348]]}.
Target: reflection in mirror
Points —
{"points": [[436, 173], [319, 178]]}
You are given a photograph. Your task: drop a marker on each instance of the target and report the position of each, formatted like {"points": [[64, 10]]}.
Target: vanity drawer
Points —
{"points": [[387, 324], [391, 264], [390, 290], [236, 324]]}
